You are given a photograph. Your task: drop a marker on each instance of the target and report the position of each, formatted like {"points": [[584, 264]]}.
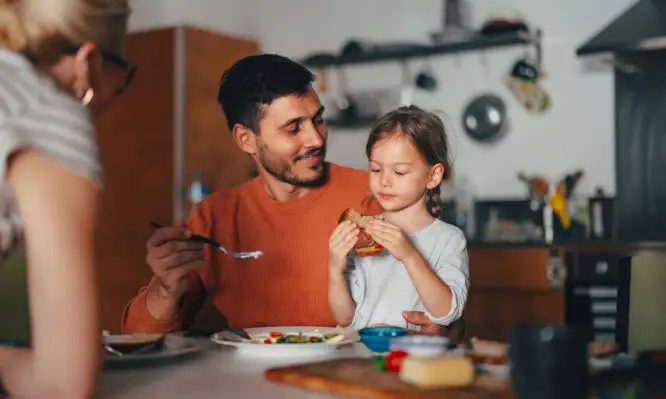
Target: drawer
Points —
{"points": [[595, 268]]}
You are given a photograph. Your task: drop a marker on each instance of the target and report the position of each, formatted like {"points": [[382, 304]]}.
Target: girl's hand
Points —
{"points": [[392, 238], [342, 240]]}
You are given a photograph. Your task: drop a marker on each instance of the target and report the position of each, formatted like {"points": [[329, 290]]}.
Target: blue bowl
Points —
{"points": [[378, 339]]}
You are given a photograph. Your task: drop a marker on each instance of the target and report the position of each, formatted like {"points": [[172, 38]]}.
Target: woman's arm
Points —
{"points": [[58, 208]]}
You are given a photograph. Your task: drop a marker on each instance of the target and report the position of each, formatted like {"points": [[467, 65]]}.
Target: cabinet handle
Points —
{"points": [[555, 273]]}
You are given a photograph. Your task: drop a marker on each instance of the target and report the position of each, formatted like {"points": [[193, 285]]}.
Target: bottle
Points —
{"points": [[598, 214], [197, 190]]}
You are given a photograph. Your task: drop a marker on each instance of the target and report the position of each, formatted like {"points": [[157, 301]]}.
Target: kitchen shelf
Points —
{"points": [[477, 42]]}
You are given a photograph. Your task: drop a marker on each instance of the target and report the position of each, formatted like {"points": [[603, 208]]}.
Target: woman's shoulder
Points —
{"points": [[36, 113]]}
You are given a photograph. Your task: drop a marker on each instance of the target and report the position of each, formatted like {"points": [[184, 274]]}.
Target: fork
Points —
{"points": [[209, 241]]}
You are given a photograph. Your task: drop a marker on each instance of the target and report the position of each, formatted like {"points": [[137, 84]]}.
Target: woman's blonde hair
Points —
{"points": [[43, 29]]}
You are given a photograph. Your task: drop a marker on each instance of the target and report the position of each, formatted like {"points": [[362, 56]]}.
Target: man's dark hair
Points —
{"points": [[259, 80]]}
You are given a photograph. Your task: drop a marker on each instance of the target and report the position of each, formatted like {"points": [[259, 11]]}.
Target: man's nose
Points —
{"points": [[312, 137]]}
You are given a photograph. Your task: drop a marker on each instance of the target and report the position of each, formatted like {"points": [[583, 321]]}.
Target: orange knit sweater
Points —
{"points": [[287, 285]]}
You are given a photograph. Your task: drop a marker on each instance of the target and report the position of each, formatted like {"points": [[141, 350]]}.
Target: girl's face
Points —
{"points": [[399, 177]]}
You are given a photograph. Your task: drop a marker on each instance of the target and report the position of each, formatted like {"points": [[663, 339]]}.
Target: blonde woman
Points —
{"points": [[58, 58]]}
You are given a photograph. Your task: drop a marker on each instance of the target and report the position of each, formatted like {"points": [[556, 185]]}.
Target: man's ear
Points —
{"points": [[245, 138], [436, 176], [83, 67]]}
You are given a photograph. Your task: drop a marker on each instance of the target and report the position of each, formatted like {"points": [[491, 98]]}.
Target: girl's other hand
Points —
{"points": [[392, 238]]}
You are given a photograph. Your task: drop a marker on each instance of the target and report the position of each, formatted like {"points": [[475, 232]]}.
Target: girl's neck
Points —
{"points": [[412, 218]]}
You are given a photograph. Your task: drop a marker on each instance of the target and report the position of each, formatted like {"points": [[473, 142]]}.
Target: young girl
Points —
{"points": [[424, 266]]}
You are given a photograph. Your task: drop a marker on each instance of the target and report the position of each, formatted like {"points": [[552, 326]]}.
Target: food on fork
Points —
{"points": [[366, 245]]}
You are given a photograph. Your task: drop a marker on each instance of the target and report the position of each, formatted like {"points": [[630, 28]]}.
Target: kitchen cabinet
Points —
{"points": [[510, 286], [166, 125]]}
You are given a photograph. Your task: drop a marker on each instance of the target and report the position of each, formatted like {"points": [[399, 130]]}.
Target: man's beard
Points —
{"points": [[285, 173]]}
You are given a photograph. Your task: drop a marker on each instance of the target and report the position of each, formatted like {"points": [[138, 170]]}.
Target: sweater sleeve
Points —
{"points": [[452, 267], [137, 318]]}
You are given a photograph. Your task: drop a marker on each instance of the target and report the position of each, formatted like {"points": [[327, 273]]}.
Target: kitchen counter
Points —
{"points": [[586, 245]]}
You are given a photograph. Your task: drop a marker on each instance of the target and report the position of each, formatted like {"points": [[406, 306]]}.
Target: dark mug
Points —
{"points": [[548, 362]]}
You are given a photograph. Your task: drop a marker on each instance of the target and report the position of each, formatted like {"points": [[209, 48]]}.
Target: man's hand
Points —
{"points": [[455, 331], [171, 255]]}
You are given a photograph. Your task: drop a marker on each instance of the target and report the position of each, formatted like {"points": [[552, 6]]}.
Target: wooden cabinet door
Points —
{"points": [[510, 287], [136, 149]]}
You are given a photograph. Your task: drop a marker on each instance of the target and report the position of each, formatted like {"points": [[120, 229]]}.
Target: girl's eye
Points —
{"points": [[400, 173], [375, 170]]}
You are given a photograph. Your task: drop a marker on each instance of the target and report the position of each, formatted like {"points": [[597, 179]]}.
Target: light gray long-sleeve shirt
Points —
{"points": [[382, 289]]}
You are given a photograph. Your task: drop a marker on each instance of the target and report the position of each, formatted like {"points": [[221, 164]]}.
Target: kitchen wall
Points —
{"points": [[578, 132], [230, 16]]}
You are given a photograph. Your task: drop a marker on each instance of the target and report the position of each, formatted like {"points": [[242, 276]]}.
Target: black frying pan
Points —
{"points": [[484, 118]]}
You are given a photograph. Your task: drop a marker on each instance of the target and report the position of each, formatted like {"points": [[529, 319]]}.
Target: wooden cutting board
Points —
{"points": [[355, 377]]}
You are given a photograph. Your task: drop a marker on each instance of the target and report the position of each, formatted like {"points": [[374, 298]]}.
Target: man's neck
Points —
{"points": [[280, 191]]}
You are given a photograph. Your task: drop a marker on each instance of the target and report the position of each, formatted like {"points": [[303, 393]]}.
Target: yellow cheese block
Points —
{"points": [[437, 372]]}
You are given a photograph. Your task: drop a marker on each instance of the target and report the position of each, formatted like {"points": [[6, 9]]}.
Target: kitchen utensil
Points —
{"points": [[206, 240], [234, 334], [484, 118], [357, 377], [524, 82]]}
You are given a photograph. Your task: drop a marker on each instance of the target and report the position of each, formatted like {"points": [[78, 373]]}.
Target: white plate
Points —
{"points": [[174, 346], [289, 350]]}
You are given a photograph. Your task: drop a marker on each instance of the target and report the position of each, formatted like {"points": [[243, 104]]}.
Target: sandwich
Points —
{"points": [[366, 245]]}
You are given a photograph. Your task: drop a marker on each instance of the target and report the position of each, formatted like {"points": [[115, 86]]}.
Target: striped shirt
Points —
{"points": [[35, 113]]}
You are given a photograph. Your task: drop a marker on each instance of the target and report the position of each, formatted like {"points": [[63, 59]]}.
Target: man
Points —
{"points": [[288, 212]]}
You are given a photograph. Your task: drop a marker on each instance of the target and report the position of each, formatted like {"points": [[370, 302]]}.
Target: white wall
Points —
{"points": [[232, 16], [577, 133]]}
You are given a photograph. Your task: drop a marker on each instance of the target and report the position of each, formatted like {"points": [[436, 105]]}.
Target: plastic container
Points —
{"points": [[421, 345], [378, 339]]}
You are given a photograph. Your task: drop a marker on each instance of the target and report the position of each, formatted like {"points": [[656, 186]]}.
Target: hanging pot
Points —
{"points": [[484, 118]]}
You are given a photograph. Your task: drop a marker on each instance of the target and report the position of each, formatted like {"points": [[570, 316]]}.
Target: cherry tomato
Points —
{"points": [[394, 360], [268, 341]]}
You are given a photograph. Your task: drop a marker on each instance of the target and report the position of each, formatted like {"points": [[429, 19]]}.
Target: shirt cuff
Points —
{"points": [[454, 313], [137, 317]]}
